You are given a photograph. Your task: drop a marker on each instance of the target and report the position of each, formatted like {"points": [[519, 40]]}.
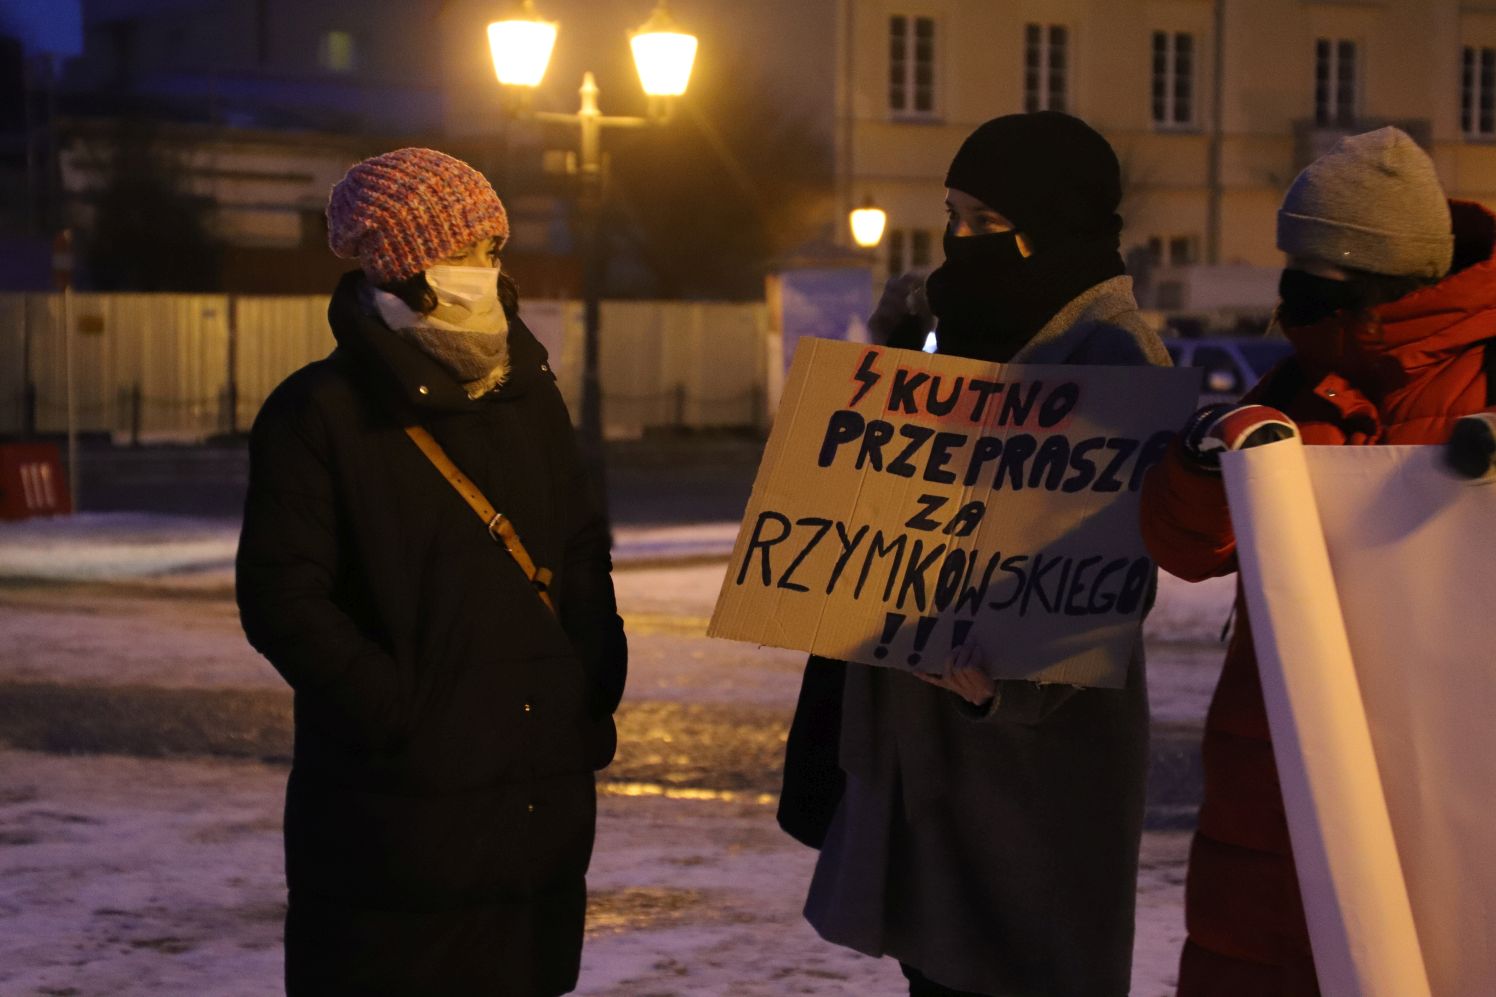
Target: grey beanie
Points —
{"points": [[1373, 203]]}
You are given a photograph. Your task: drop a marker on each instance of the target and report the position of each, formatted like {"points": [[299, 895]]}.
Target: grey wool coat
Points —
{"points": [[997, 852]]}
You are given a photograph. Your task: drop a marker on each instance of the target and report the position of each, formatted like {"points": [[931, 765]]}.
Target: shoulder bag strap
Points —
{"points": [[499, 527]]}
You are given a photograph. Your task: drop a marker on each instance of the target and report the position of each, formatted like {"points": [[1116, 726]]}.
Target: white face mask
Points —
{"points": [[466, 296]]}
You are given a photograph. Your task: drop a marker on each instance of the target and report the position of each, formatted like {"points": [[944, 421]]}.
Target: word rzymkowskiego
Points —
{"points": [[931, 574]]}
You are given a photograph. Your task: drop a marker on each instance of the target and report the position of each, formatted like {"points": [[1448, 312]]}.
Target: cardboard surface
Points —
{"points": [[908, 502]]}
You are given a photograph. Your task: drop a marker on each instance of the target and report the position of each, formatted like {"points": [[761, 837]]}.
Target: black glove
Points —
{"points": [[1471, 450], [1223, 426]]}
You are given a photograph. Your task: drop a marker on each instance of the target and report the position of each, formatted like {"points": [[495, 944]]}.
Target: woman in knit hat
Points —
{"points": [[1389, 299], [988, 834], [455, 676]]}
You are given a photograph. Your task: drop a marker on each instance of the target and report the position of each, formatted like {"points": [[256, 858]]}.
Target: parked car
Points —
{"points": [[1231, 365]]}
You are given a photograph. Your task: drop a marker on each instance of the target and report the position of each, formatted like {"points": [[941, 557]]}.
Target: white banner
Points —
{"points": [[1368, 573]]}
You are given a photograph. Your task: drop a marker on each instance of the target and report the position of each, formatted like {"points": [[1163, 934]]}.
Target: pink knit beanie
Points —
{"points": [[401, 212]]}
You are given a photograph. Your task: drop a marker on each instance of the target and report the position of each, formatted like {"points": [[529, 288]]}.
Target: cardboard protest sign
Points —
{"points": [[909, 502]]}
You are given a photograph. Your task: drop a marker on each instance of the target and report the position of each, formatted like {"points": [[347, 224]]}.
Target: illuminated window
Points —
{"points": [[338, 52], [1046, 67], [911, 65], [1478, 92], [1334, 82], [1173, 79]]}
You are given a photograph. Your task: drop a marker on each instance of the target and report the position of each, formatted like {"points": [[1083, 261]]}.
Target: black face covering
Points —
{"points": [[1308, 299], [991, 299], [967, 294]]}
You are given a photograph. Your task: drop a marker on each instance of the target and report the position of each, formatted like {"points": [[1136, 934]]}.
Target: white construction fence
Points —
{"points": [[178, 367]]}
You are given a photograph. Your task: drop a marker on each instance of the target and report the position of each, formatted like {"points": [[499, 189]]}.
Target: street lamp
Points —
{"points": [[663, 55], [868, 222]]}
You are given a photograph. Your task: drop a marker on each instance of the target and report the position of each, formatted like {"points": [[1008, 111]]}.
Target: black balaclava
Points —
{"points": [[1058, 181]]}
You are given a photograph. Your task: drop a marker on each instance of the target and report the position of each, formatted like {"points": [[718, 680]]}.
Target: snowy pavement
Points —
{"points": [[121, 879], [136, 875], [117, 546]]}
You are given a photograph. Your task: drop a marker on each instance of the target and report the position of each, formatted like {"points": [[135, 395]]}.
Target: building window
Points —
{"points": [[337, 52], [911, 65], [1334, 82], [1173, 79], [1184, 250], [909, 249], [896, 251], [1046, 67], [1478, 92], [1173, 251]]}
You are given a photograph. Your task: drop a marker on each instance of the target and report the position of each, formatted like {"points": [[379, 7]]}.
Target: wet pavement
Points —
{"points": [[685, 478], [164, 673]]}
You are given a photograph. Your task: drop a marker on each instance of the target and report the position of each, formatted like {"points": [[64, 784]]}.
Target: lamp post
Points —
{"points": [[663, 55]]}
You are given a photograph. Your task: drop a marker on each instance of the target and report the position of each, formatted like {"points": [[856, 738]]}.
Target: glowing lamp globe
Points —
{"points": [[868, 223], [663, 54], [521, 47]]}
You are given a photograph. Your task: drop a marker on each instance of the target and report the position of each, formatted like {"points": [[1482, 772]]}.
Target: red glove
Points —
{"points": [[1223, 426], [1471, 450]]}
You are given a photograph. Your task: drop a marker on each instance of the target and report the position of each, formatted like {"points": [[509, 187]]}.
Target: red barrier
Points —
{"points": [[32, 482]]}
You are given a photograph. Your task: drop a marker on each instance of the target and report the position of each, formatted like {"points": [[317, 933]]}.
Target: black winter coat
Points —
{"points": [[440, 809]]}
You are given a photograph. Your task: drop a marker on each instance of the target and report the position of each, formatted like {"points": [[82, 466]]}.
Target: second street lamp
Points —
{"points": [[868, 222], [664, 56]]}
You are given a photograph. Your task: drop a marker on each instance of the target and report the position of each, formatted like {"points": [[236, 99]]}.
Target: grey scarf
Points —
{"points": [[473, 349]]}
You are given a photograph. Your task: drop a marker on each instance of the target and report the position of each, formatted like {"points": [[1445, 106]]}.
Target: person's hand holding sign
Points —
{"points": [[966, 675]]}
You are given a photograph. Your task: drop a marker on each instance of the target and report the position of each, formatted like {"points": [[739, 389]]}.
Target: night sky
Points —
{"points": [[54, 26]]}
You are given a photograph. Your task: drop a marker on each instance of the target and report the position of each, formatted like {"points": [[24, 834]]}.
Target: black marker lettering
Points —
{"points": [[1054, 456], [844, 426], [785, 579], [917, 436], [921, 520], [878, 433], [848, 547], [1059, 404], [758, 542], [1108, 482], [940, 455], [1017, 450], [935, 405], [901, 395]]}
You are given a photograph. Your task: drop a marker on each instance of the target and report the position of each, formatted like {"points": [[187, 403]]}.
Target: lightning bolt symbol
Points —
{"points": [[866, 376]]}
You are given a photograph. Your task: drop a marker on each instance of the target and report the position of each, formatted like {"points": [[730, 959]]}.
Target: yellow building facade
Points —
{"points": [[1212, 105]]}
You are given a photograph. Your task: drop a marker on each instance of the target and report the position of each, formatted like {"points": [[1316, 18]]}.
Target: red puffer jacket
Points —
{"points": [[1402, 376]]}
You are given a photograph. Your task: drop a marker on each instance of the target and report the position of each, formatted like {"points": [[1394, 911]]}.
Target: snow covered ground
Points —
{"points": [[113, 546], [126, 876], [183, 551], [132, 877]]}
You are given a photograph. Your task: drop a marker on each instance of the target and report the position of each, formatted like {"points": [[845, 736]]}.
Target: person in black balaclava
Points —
{"points": [[987, 833], [1032, 200]]}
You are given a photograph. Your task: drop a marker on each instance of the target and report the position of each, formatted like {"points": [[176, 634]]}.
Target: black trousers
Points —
{"points": [[921, 986]]}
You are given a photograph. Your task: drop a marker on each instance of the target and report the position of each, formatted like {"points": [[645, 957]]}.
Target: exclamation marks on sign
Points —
{"points": [[922, 630], [958, 636], [922, 636], [891, 624]]}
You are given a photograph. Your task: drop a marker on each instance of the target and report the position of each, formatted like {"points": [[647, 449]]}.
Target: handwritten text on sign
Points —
{"points": [[907, 503]]}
